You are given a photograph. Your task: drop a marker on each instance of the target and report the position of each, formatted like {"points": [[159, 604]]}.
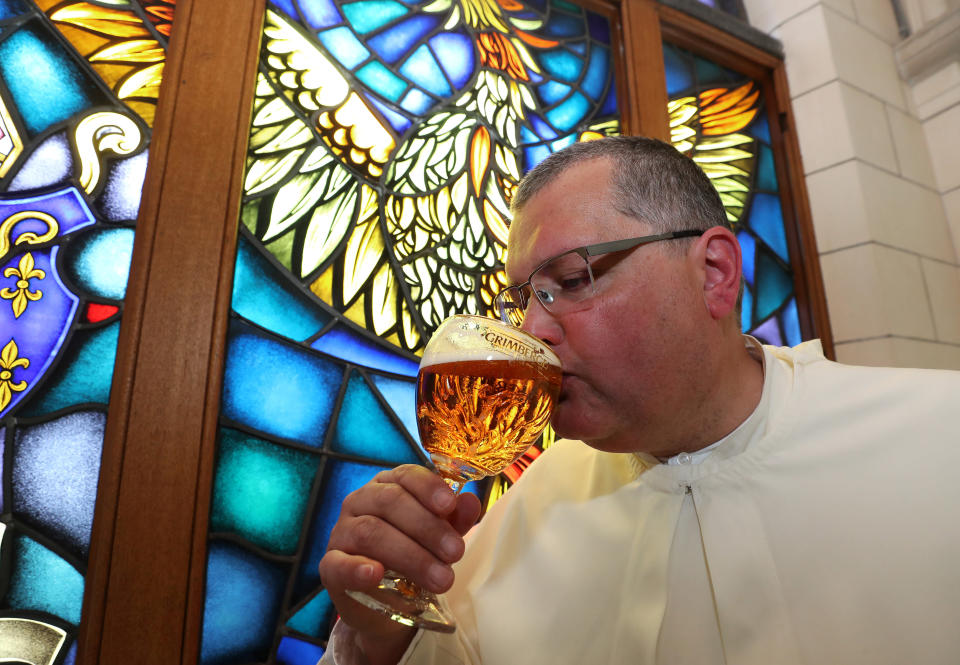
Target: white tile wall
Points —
{"points": [[863, 59], [837, 207], [943, 141], [905, 215], [766, 15], [877, 17], [943, 285], [808, 55], [951, 205], [867, 125], [874, 291], [897, 352], [910, 143], [821, 117]]}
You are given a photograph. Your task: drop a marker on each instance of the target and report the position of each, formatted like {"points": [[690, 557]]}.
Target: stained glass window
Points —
{"points": [[78, 88], [719, 118], [386, 141]]}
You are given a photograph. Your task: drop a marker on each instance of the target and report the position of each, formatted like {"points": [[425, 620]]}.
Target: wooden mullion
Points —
{"points": [[145, 587], [643, 99], [811, 298]]}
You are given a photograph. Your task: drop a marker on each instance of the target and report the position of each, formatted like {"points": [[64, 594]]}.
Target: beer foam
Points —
{"points": [[486, 345]]}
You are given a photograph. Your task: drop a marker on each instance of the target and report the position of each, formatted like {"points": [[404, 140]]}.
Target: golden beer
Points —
{"points": [[481, 415]]}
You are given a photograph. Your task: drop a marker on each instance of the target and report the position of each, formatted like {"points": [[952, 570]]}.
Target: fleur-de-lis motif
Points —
{"points": [[21, 294], [9, 361]]}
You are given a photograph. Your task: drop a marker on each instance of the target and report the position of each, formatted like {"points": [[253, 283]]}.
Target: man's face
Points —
{"points": [[627, 377]]}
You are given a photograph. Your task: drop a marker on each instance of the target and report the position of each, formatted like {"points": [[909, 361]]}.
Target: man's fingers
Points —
{"points": [[340, 571], [466, 513]]}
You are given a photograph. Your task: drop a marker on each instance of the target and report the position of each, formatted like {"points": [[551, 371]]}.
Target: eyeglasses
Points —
{"points": [[565, 282]]}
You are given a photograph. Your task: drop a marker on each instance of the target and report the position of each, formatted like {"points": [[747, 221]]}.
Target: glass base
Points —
{"points": [[406, 603]]}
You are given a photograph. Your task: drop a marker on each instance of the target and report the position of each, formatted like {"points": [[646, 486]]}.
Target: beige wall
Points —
{"points": [[878, 119]]}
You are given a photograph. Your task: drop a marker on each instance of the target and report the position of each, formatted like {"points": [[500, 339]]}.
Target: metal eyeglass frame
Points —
{"points": [[585, 252]]}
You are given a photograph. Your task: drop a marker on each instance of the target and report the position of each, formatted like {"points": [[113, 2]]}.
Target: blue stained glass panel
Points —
{"points": [[11, 8], [566, 116], [262, 295], [84, 376], [562, 64], [766, 220], [598, 71], [45, 83], [402, 397], [120, 200], [242, 603], [354, 348], [544, 131], [766, 170], [3, 454], [457, 56], [49, 163], [397, 40], [610, 103], [399, 122], [791, 323], [748, 248], [373, 14], [99, 262], [599, 27], [422, 69], [344, 46], [41, 580], [261, 491], [340, 478], [40, 330], [287, 7], [678, 74], [561, 26], [43, 456], [364, 429], [746, 311], [552, 92], [320, 13], [416, 102], [314, 618], [297, 652], [278, 388], [769, 332], [709, 71], [774, 285], [760, 128], [382, 80]]}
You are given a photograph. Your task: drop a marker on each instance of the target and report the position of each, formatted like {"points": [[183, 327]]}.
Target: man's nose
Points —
{"points": [[540, 323]]}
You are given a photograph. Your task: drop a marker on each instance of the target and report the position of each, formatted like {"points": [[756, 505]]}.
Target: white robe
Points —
{"points": [[825, 529]]}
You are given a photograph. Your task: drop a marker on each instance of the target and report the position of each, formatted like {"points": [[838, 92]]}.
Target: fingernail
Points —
{"points": [[450, 546], [443, 499], [365, 572], [441, 576]]}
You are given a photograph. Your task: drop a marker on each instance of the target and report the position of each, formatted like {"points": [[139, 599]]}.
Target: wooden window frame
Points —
{"points": [[145, 582]]}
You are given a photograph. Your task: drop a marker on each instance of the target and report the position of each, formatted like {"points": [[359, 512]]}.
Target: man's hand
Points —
{"points": [[407, 520]]}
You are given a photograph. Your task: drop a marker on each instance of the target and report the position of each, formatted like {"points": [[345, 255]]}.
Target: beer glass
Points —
{"points": [[485, 391]]}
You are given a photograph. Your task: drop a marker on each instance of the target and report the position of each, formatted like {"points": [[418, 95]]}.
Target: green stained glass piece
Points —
{"points": [[282, 250], [313, 619], [365, 429], [382, 80], [84, 376], [42, 580], [774, 285], [372, 14], [709, 73], [569, 6], [261, 490]]}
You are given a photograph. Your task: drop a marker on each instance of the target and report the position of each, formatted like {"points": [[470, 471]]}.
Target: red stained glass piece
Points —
{"points": [[97, 312]]}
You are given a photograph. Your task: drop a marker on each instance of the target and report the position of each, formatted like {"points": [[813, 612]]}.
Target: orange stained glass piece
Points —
{"points": [[532, 40], [479, 157], [723, 111], [497, 52]]}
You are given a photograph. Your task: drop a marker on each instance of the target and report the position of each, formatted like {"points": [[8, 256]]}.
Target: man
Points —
{"points": [[733, 503]]}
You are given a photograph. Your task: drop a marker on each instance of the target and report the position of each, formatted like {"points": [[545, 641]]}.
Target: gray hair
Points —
{"points": [[652, 182]]}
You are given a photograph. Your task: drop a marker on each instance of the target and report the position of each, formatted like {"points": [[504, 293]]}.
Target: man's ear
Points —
{"points": [[719, 252]]}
